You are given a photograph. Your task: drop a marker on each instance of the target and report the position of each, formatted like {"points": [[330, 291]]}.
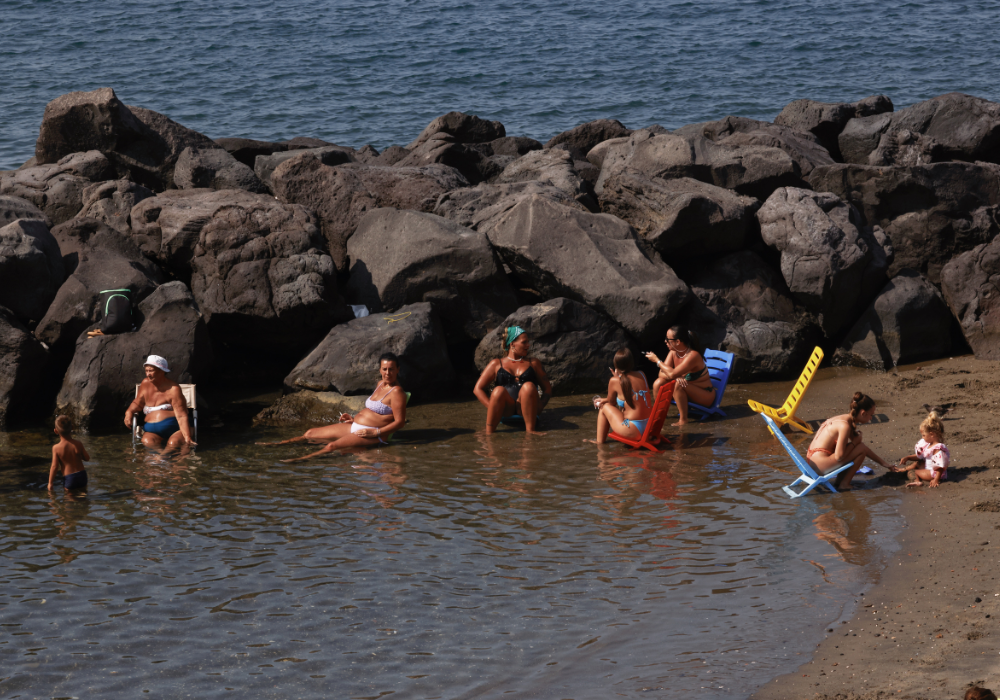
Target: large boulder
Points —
{"points": [[106, 259], [593, 258], [680, 217], [265, 165], [907, 322], [214, 168], [833, 264], [804, 148], [404, 257], [743, 306], [308, 409], [751, 170], [515, 146], [111, 203], [553, 167], [258, 268], [574, 343], [341, 195], [948, 127], [825, 120], [346, 360], [581, 139], [247, 150], [463, 128], [31, 269], [444, 149], [100, 382], [22, 364], [971, 286], [483, 206], [168, 140], [57, 189], [930, 212], [14, 208]]}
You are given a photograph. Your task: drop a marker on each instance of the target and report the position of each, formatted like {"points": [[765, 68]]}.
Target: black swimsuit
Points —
{"points": [[513, 384]]}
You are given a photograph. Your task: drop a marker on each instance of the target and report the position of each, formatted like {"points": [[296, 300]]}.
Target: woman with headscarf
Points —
{"points": [[516, 378]]}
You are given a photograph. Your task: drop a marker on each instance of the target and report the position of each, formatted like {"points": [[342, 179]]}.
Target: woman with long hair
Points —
{"points": [[516, 377], [685, 366], [629, 401], [838, 441]]}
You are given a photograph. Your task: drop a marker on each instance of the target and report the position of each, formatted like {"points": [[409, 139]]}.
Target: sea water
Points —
{"points": [[357, 72], [449, 565]]}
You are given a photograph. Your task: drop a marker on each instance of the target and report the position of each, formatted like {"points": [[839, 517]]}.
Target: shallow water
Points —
{"points": [[449, 565]]}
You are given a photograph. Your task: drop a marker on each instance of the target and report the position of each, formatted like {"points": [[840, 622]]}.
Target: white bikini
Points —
{"points": [[375, 407], [146, 410]]}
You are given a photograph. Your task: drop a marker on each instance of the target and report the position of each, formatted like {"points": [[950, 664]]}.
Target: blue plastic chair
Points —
{"points": [[719, 365], [809, 475]]}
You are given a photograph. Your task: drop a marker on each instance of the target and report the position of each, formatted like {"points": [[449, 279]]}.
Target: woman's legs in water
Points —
{"points": [[611, 418], [322, 434], [348, 441], [698, 394], [501, 405], [528, 404]]}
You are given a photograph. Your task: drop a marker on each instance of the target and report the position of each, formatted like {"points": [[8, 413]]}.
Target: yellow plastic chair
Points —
{"points": [[786, 414]]}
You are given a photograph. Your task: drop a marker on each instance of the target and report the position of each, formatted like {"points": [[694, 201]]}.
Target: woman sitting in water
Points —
{"points": [[629, 402], [517, 377], [838, 441], [685, 364], [162, 403], [383, 414]]}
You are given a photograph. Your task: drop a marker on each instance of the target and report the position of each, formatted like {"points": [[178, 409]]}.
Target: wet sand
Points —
{"points": [[928, 628]]}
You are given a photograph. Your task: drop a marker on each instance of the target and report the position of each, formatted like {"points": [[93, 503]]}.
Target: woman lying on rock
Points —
{"points": [[517, 378], [838, 441], [629, 401], [685, 364], [384, 413], [163, 406]]}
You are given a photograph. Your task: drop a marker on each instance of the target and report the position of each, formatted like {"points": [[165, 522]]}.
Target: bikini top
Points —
{"points": [[691, 376], [505, 378], [146, 410], [644, 394], [377, 406]]}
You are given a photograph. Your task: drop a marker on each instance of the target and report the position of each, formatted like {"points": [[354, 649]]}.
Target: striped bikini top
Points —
{"points": [[377, 406]]}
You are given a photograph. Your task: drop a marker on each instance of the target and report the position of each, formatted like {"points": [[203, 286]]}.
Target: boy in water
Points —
{"points": [[68, 454]]}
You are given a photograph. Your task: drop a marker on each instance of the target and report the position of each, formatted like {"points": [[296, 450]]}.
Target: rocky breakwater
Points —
{"points": [[869, 231]]}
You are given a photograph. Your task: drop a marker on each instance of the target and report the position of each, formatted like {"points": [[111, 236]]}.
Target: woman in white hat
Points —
{"points": [[163, 406]]}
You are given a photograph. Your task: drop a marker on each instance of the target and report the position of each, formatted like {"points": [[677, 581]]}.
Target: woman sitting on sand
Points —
{"points": [[383, 414], [685, 366], [517, 377], [162, 403], [838, 441], [629, 401]]}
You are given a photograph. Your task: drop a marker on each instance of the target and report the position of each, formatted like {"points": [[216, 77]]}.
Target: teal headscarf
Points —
{"points": [[512, 334]]}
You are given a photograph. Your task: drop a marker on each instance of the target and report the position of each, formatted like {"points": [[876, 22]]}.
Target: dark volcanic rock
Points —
{"points": [[258, 267], [111, 203], [574, 343], [14, 208], [107, 259], [341, 195], [101, 379], [750, 170], [169, 139], [908, 322], [948, 127], [346, 361], [392, 155], [216, 169], [514, 146], [580, 139], [247, 150], [742, 306], [680, 217], [57, 189], [404, 257], [483, 206], [444, 149], [31, 269], [22, 364], [833, 264], [804, 148], [464, 128], [930, 212], [826, 120], [554, 167], [971, 286], [308, 408], [593, 258], [328, 155]]}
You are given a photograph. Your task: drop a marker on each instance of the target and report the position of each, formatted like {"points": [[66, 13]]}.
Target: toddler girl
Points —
{"points": [[932, 451]]}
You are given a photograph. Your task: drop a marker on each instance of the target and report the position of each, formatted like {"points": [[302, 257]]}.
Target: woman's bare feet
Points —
{"points": [[917, 482], [679, 423]]}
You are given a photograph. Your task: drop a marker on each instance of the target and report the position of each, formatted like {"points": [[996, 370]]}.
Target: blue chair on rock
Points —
{"points": [[809, 475], [719, 365]]}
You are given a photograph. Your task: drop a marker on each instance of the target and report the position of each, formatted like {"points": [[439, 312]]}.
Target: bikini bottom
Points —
{"points": [[76, 480], [164, 428], [813, 450], [355, 427], [639, 425]]}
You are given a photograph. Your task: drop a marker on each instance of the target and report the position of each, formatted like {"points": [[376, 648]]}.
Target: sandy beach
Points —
{"points": [[927, 629]]}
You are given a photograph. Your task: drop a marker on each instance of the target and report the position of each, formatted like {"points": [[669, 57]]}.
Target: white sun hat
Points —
{"points": [[158, 362]]}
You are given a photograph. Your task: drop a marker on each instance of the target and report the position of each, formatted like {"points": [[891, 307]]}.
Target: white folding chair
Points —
{"points": [[190, 396]]}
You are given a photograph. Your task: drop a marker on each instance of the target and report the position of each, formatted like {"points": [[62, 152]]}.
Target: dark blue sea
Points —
{"points": [[378, 72]]}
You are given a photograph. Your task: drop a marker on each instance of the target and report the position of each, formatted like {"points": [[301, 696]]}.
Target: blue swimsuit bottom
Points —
{"points": [[163, 428], [76, 480]]}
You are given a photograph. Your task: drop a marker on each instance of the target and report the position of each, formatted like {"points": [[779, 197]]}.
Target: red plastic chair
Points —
{"points": [[651, 436]]}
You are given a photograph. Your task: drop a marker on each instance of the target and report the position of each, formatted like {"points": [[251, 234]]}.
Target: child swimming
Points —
{"points": [[932, 450], [66, 454]]}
